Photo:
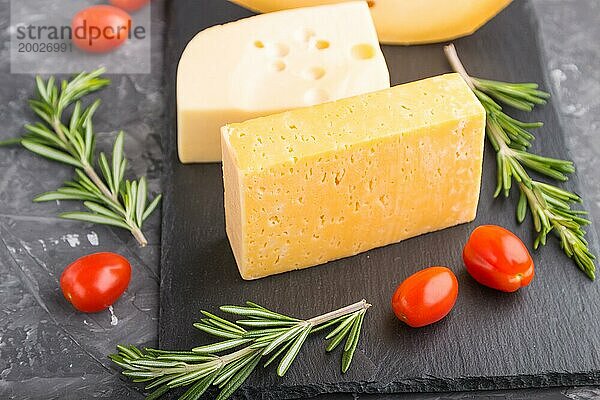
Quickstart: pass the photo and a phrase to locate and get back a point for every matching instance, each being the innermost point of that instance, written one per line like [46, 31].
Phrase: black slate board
[545, 335]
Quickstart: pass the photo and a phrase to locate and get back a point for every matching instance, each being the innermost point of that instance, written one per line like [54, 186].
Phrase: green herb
[110, 199]
[261, 333]
[550, 206]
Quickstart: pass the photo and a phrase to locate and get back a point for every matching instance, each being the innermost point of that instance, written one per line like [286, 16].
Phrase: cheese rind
[409, 21]
[270, 63]
[320, 183]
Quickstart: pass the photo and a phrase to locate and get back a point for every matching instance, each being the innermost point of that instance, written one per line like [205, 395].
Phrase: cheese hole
[321, 44]
[363, 51]
[259, 44]
[278, 66]
[371, 3]
[313, 73]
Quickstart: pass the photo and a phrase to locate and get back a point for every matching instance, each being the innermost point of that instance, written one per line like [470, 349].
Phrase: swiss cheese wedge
[324, 182]
[409, 21]
[270, 63]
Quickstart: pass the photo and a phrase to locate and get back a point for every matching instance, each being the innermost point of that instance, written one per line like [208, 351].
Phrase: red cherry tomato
[129, 5]
[497, 258]
[101, 28]
[426, 296]
[94, 282]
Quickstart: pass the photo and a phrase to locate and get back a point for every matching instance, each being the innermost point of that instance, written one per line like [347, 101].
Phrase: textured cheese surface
[270, 63]
[409, 21]
[315, 184]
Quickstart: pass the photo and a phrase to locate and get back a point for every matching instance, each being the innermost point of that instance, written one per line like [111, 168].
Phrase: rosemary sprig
[260, 333]
[550, 206]
[110, 199]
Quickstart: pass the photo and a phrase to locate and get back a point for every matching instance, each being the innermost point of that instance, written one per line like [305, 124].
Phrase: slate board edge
[428, 385]
[549, 379]
[431, 385]
[170, 73]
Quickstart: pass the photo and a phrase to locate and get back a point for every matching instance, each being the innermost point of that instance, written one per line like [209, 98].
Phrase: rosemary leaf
[106, 172]
[261, 335]
[221, 346]
[185, 357]
[50, 153]
[151, 207]
[119, 361]
[158, 393]
[339, 337]
[94, 218]
[223, 323]
[290, 334]
[231, 369]
[216, 331]
[347, 321]
[127, 351]
[153, 364]
[293, 351]
[190, 377]
[256, 312]
[75, 195]
[239, 379]
[198, 389]
[263, 323]
[42, 132]
[353, 331]
[278, 353]
[162, 381]
[10, 142]
[97, 208]
[352, 343]
[140, 206]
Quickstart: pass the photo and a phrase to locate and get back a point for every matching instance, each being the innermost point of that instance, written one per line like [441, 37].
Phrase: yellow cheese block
[271, 63]
[324, 182]
[409, 21]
